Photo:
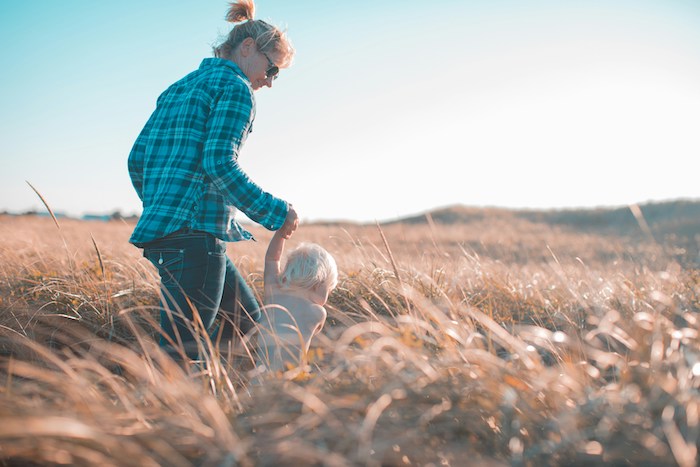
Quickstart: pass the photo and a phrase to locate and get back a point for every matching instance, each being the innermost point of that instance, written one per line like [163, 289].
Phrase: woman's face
[260, 67]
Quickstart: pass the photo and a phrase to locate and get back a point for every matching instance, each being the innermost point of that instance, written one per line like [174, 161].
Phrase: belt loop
[211, 241]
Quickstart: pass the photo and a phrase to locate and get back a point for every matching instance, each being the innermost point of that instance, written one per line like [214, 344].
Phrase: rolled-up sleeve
[228, 124]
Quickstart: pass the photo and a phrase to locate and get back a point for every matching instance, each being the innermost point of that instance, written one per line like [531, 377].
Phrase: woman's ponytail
[240, 11]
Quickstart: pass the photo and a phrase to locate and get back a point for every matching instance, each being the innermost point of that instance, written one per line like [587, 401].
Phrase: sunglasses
[273, 70]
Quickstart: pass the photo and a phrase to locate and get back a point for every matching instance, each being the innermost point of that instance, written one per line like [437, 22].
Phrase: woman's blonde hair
[267, 37]
[309, 266]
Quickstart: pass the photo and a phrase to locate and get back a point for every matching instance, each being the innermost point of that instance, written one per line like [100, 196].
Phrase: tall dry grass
[499, 342]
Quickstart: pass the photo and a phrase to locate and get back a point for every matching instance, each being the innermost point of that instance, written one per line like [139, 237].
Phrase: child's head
[312, 268]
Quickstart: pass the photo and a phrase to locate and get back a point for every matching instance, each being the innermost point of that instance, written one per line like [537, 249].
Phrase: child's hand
[290, 223]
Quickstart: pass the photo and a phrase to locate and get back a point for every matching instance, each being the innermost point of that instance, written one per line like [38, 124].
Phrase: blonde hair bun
[242, 10]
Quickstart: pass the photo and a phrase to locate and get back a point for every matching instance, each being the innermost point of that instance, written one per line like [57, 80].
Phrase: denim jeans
[197, 276]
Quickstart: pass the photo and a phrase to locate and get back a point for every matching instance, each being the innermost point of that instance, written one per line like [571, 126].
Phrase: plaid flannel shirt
[184, 163]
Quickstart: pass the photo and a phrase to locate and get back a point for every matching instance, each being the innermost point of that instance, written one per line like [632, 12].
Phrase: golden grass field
[498, 342]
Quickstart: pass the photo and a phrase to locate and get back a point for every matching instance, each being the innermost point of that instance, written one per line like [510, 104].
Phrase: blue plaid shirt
[184, 164]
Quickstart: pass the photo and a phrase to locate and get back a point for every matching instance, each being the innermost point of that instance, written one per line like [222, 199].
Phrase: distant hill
[670, 220]
[664, 219]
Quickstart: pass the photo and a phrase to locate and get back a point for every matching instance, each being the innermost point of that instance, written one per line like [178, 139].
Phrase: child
[294, 299]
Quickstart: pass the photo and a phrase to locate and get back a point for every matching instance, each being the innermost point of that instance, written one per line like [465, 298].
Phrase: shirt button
[195, 208]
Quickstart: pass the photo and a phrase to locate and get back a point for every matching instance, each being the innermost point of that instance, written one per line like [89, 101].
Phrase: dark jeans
[197, 277]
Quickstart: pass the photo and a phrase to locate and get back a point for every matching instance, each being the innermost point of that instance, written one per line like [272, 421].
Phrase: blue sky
[391, 107]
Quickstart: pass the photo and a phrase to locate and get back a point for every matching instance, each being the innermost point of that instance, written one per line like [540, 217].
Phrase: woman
[184, 167]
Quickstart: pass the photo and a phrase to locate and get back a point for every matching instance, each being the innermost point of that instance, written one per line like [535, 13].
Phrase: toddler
[294, 299]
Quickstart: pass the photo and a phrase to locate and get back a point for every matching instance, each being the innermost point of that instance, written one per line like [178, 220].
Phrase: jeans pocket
[216, 268]
[169, 262]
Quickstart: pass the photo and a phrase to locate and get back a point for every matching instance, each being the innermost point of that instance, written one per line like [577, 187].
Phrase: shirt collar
[218, 62]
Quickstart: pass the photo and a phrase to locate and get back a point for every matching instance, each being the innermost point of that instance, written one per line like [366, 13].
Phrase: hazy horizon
[98, 215]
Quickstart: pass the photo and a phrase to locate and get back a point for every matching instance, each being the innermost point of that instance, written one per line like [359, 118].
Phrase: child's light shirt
[289, 322]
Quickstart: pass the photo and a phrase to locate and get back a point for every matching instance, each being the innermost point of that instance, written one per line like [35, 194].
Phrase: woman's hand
[290, 223]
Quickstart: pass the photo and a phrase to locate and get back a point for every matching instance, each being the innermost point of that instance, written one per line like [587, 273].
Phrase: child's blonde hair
[309, 266]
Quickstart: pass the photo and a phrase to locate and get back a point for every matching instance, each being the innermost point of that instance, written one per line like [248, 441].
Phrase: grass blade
[45, 204]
